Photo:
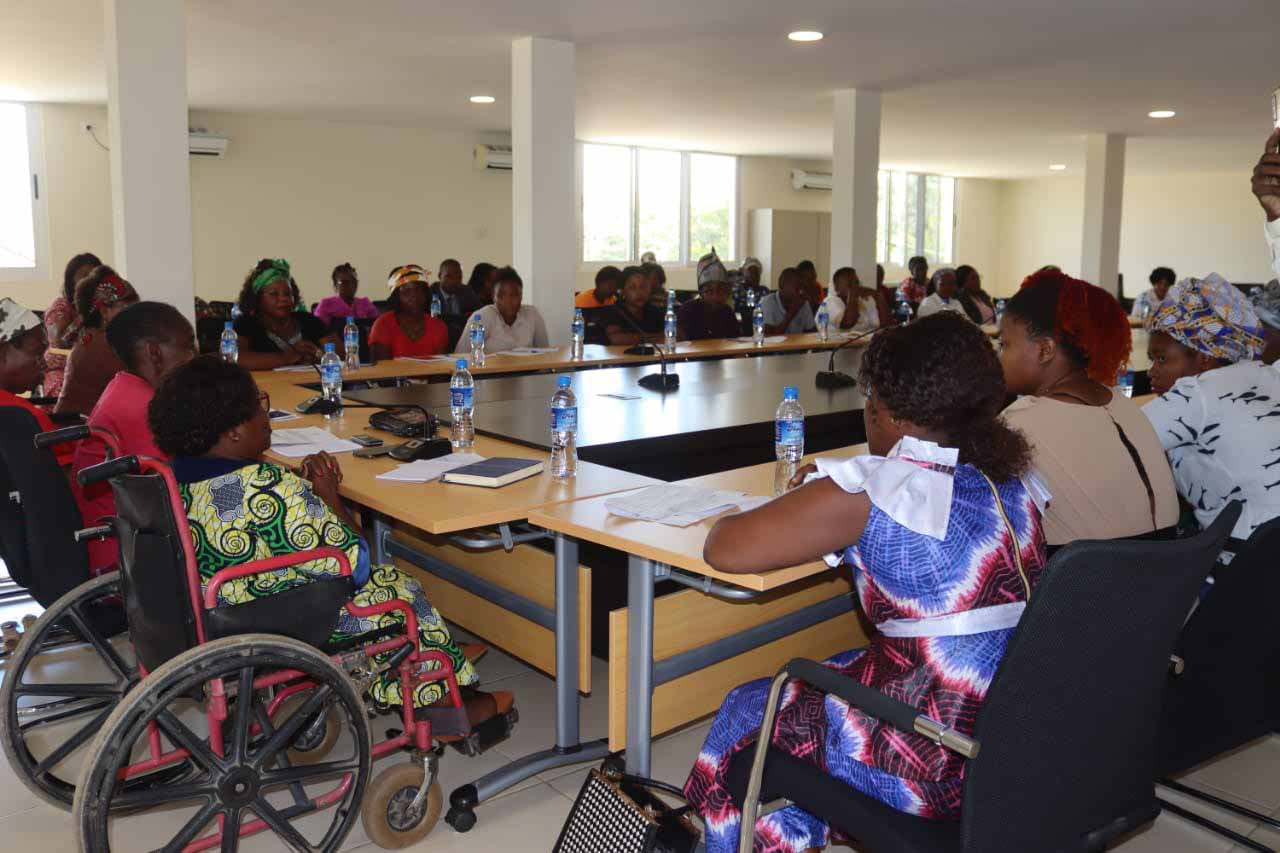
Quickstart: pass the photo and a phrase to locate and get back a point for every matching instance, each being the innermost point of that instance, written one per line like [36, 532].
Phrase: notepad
[308, 440]
[679, 506]
[494, 473]
[427, 470]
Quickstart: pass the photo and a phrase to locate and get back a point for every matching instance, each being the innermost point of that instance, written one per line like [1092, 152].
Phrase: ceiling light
[482, 99]
[1161, 114]
[805, 35]
[1057, 167]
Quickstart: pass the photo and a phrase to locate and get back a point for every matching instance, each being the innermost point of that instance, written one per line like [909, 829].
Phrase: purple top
[332, 309]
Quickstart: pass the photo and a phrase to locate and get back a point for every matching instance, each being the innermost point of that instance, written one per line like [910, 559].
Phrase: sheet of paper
[427, 470]
[430, 358]
[771, 339]
[528, 351]
[678, 506]
[307, 440]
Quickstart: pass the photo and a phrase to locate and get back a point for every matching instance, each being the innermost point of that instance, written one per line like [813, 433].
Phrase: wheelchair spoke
[284, 735]
[104, 648]
[264, 723]
[72, 743]
[231, 831]
[280, 825]
[163, 795]
[308, 772]
[192, 828]
[181, 735]
[243, 715]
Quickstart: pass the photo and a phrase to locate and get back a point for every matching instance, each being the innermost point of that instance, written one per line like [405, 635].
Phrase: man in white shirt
[786, 311]
[849, 306]
[1266, 187]
[943, 297]
[507, 323]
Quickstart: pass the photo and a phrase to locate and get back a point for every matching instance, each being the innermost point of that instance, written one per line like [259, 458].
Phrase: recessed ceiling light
[805, 35]
[1057, 167]
[482, 99]
[1161, 114]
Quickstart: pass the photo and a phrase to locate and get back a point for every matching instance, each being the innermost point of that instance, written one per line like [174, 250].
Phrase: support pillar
[1103, 198]
[854, 182]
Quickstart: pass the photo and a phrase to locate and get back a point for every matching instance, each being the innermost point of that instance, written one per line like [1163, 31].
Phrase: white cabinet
[784, 238]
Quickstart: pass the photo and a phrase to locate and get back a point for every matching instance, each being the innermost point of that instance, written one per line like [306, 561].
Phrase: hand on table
[323, 472]
[803, 471]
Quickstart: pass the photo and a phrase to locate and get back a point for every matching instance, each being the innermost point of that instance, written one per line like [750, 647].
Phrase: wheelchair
[247, 719]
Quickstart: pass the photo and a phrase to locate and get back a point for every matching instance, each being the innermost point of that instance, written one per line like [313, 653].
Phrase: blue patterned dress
[926, 591]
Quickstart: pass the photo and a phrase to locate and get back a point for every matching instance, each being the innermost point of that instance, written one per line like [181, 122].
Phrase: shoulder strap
[1013, 535]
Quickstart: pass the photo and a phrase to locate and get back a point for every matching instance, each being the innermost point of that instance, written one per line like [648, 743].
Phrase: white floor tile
[43, 828]
[1249, 773]
[1172, 835]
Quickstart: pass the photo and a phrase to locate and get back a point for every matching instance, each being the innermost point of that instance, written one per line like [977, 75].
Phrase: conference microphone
[642, 348]
[831, 378]
[662, 381]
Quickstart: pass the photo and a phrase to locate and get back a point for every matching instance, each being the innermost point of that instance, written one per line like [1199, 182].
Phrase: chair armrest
[271, 564]
[61, 436]
[101, 531]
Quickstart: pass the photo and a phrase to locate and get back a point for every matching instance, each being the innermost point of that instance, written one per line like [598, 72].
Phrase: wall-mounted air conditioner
[802, 180]
[201, 143]
[495, 157]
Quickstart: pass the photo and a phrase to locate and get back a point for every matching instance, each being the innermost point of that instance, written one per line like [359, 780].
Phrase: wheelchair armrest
[61, 436]
[898, 714]
[101, 531]
[270, 564]
[106, 470]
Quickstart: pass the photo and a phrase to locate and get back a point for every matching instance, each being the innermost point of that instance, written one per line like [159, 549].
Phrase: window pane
[713, 181]
[882, 216]
[606, 203]
[658, 203]
[913, 216]
[17, 225]
[898, 218]
[947, 221]
[931, 199]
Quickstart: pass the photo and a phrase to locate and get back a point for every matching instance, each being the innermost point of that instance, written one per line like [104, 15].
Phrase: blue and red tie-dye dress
[938, 595]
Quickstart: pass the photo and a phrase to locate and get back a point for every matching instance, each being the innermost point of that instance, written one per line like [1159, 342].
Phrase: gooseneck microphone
[831, 378]
[662, 381]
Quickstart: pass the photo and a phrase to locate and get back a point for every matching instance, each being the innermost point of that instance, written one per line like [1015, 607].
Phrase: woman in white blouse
[942, 296]
[507, 323]
[850, 307]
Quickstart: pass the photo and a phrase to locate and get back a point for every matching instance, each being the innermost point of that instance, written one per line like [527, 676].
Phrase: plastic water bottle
[229, 343]
[435, 305]
[462, 390]
[351, 343]
[236, 313]
[999, 311]
[757, 326]
[788, 438]
[1125, 383]
[564, 431]
[823, 321]
[331, 379]
[477, 343]
[579, 331]
[751, 297]
[903, 310]
[669, 327]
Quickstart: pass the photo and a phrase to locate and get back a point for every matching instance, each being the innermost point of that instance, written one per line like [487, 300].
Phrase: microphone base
[834, 379]
[640, 349]
[660, 381]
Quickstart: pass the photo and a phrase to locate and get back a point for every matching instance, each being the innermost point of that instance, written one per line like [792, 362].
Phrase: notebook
[493, 473]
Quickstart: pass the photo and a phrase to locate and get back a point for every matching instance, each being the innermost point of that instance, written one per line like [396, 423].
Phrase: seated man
[507, 323]
[608, 283]
[23, 342]
[786, 311]
[457, 301]
[709, 316]
[1218, 411]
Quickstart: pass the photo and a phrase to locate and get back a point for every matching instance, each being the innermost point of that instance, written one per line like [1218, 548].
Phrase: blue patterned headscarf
[1266, 301]
[1210, 316]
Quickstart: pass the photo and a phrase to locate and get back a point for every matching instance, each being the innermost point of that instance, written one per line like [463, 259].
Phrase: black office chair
[1068, 732]
[1224, 691]
[594, 321]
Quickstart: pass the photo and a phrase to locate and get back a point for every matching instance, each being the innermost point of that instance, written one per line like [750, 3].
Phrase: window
[21, 205]
[676, 204]
[916, 217]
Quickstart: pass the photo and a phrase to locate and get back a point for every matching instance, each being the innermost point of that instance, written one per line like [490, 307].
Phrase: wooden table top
[679, 547]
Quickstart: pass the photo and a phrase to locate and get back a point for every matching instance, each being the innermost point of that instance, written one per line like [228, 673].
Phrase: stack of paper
[308, 440]
[426, 470]
[678, 506]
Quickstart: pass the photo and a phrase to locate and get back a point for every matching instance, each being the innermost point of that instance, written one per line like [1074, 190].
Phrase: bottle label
[564, 419]
[460, 398]
[789, 433]
[331, 374]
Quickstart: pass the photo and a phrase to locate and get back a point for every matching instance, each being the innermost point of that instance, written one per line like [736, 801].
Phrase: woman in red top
[407, 331]
[22, 348]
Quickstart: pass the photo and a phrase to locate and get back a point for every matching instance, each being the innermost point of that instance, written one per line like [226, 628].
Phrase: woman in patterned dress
[940, 524]
[62, 321]
[209, 416]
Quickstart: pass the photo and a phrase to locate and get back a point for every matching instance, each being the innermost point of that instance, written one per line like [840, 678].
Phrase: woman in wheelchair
[941, 525]
[210, 417]
[23, 343]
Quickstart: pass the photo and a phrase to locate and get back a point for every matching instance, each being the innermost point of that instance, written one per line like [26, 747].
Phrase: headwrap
[15, 320]
[109, 291]
[710, 269]
[1266, 303]
[278, 270]
[407, 274]
[648, 258]
[1210, 316]
[753, 262]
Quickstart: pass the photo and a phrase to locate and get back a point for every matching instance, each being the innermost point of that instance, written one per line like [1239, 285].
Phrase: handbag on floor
[617, 813]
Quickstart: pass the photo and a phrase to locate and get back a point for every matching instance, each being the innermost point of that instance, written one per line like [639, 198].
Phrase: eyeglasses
[265, 400]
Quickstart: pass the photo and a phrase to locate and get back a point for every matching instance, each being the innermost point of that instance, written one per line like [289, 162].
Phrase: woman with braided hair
[92, 364]
[1064, 342]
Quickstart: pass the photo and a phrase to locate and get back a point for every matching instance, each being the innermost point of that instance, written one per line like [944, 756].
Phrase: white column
[146, 47]
[1103, 197]
[544, 224]
[855, 167]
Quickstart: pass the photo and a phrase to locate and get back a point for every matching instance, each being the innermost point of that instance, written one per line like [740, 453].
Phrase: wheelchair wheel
[248, 786]
[62, 682]
[318, 736]
[386, 813]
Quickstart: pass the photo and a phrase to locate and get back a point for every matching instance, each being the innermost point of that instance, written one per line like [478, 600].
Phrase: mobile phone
[308, 405]
[366, 440]
[372, 452]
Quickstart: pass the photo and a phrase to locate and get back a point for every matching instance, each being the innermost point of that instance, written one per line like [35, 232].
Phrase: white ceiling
[994, 88]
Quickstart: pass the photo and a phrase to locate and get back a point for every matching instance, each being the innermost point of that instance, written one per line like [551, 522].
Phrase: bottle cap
[351, 319]
[328, 347]
[462, 364]
[227, 325]
[564, 382]
[791, 392]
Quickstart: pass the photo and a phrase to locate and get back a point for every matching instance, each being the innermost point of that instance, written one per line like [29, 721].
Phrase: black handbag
[617, 813]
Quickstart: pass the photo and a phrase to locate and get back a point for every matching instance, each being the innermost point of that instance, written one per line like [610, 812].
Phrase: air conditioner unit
[204, 144]
[802, 180]
[495, 157]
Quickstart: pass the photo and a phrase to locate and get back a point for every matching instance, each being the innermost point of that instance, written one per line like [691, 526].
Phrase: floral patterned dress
[59, 313]
[239, 512]
[938, 571]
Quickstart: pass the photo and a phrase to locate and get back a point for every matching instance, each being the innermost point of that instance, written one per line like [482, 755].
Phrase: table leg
[640, 579]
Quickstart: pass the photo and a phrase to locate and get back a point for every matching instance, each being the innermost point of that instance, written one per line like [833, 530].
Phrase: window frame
[917, 239]
[39, 199]
[684, 261]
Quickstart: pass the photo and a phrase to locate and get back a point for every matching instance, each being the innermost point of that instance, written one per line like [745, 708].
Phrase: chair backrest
[40, 516]
[1070, 724]
[153, 568]
[1227, 694]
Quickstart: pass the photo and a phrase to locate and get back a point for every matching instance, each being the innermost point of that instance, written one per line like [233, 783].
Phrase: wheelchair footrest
[488, 734]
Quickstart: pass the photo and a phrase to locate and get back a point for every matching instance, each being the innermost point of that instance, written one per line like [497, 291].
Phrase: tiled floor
[529, 816]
